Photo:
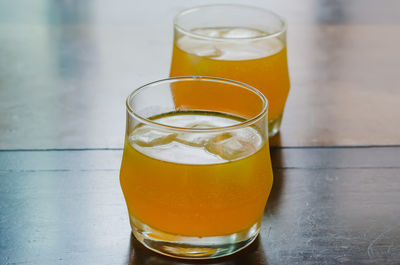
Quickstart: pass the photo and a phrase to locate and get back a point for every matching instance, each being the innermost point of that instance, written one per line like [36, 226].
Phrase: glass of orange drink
[242, 43]
[196, 174]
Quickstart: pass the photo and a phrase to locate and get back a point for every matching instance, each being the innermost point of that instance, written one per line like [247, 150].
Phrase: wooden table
[67, 66]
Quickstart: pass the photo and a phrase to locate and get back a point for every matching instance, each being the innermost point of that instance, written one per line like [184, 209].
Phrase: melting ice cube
[147, 136]
[192, 139]
[209, 32]
[199, 47]
[241, 33]
[195, 139]
[230, 146]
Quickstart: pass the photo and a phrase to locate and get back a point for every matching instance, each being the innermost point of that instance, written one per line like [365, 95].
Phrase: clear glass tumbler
[242, 43]
[196, 174]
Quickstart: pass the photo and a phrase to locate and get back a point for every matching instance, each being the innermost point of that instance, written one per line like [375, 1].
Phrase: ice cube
[198, 47]
[195, 139]
[207, 51]
[192, 139]
[209, 32]
[240, 33]
[230, 147]
[147, 136]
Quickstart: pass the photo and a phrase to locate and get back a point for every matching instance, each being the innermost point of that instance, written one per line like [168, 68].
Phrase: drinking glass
[196, 175]
[237, 42]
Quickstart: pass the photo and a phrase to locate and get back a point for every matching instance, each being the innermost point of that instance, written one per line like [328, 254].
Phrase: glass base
[188, 247]
[274, 125]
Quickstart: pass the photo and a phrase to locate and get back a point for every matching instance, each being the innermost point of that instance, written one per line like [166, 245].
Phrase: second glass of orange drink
[242, 43]
[196, 175]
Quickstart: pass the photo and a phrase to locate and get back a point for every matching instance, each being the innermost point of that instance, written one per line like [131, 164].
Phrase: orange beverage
[241, 43]
[196, 184]
[196, 175]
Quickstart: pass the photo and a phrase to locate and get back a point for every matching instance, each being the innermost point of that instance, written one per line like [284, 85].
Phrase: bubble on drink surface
[147, 136]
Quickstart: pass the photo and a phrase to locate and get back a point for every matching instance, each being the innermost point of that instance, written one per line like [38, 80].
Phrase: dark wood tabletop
[66, 68]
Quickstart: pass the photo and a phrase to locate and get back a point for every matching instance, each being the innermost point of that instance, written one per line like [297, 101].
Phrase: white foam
[196, 148]
[237, 44]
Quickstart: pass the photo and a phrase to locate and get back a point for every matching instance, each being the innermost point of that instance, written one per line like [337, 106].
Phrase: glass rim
[200, 36]
[243, 124]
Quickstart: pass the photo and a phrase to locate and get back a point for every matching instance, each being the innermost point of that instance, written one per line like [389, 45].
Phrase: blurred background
[67, 66]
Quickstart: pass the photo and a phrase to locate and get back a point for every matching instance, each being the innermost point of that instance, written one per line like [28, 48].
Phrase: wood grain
[327, 206]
